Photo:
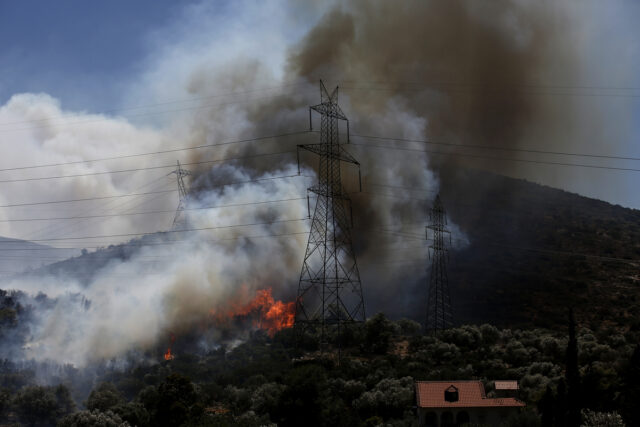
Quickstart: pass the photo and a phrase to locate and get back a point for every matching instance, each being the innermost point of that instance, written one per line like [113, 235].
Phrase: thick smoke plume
[448, 71]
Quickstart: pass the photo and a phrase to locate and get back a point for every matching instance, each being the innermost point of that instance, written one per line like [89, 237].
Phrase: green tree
[5, 402]
[631, 389]
[572, 375]
[546, 408]
[176, 396]
[38, 405]
[133, 412]
[104, 397]
[378, 333]
[300, 402]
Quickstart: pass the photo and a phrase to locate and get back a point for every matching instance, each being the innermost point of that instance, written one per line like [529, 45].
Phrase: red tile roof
[430, 394]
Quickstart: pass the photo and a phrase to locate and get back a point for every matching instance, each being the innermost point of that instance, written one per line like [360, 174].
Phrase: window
[451, 394]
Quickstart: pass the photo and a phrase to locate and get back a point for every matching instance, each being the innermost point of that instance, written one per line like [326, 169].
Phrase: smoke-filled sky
[83, 81]
[117, 55]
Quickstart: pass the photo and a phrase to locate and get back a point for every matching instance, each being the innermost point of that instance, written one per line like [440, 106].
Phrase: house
[456, 403]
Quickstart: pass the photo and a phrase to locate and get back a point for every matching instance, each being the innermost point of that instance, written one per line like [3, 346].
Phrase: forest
[363, 376]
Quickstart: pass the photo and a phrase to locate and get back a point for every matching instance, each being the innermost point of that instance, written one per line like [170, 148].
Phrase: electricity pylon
[329, 291]
[439, 311]
[179, 220]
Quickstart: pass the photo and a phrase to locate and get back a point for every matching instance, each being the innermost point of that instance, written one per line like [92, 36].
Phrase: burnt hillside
[520, 268]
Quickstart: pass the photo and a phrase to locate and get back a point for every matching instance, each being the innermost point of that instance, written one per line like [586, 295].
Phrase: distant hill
[519, 268]
[17, 256]
[85, 266]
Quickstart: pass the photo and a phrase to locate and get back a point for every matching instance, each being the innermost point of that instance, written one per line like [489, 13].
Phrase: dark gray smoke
[456, 72]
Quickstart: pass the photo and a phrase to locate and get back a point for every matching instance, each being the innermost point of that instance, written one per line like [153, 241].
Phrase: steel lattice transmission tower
[179, 219]
[329, 291]
[439, 311]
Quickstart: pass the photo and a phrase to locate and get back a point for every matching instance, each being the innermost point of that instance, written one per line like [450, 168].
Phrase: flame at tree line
[263, 311]
[167, 354]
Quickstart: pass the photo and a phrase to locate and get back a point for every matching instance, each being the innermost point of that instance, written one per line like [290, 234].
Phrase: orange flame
[167, 354]
[266, 313]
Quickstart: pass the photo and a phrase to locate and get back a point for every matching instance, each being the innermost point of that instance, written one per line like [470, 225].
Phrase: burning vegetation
[262, 312]
[168, 355]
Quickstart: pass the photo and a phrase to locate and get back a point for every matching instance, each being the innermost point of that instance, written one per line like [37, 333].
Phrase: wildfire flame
[265, 312]
[167, 354]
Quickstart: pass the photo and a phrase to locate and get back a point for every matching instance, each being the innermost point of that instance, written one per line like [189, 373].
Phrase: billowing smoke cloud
[42, 134]
[512, 74]
[453, 71]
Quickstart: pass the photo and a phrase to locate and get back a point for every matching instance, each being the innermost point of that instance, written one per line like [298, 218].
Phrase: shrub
[93, 419]
[601, 419]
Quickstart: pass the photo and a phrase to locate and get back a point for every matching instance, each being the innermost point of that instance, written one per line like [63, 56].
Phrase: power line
[556, 252]
[303, 132]
[232, 205]
[410, 236]
[530, 89]
[160, 232]
[141, 194]
[497, 148]
[151, 212]
[173, 150]
[478, 156]
[86, 199]
[147, 168]
[168, 242]
[150, 186]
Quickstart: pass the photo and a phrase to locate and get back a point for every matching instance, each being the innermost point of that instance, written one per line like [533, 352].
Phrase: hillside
[519, 268]
[17, 256]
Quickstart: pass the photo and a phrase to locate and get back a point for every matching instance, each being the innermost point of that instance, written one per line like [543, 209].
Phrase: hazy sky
[98, 56]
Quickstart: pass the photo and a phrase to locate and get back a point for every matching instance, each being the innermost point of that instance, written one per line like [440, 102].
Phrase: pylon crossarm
[330, 110]
[321, 191]
[321, 150]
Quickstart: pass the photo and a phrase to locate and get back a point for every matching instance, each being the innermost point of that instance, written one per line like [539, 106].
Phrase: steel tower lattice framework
[179, 220]
[329, 291]
[439, 310]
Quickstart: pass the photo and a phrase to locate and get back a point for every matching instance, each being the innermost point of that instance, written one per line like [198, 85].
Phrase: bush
[93, 419]
[104, 397]
[265, 398]
[389, 398]
[526, 418]
[601, 419]
[378, 333]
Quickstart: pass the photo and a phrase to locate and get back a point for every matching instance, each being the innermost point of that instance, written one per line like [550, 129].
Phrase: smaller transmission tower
[439, 311]
[179, 219]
